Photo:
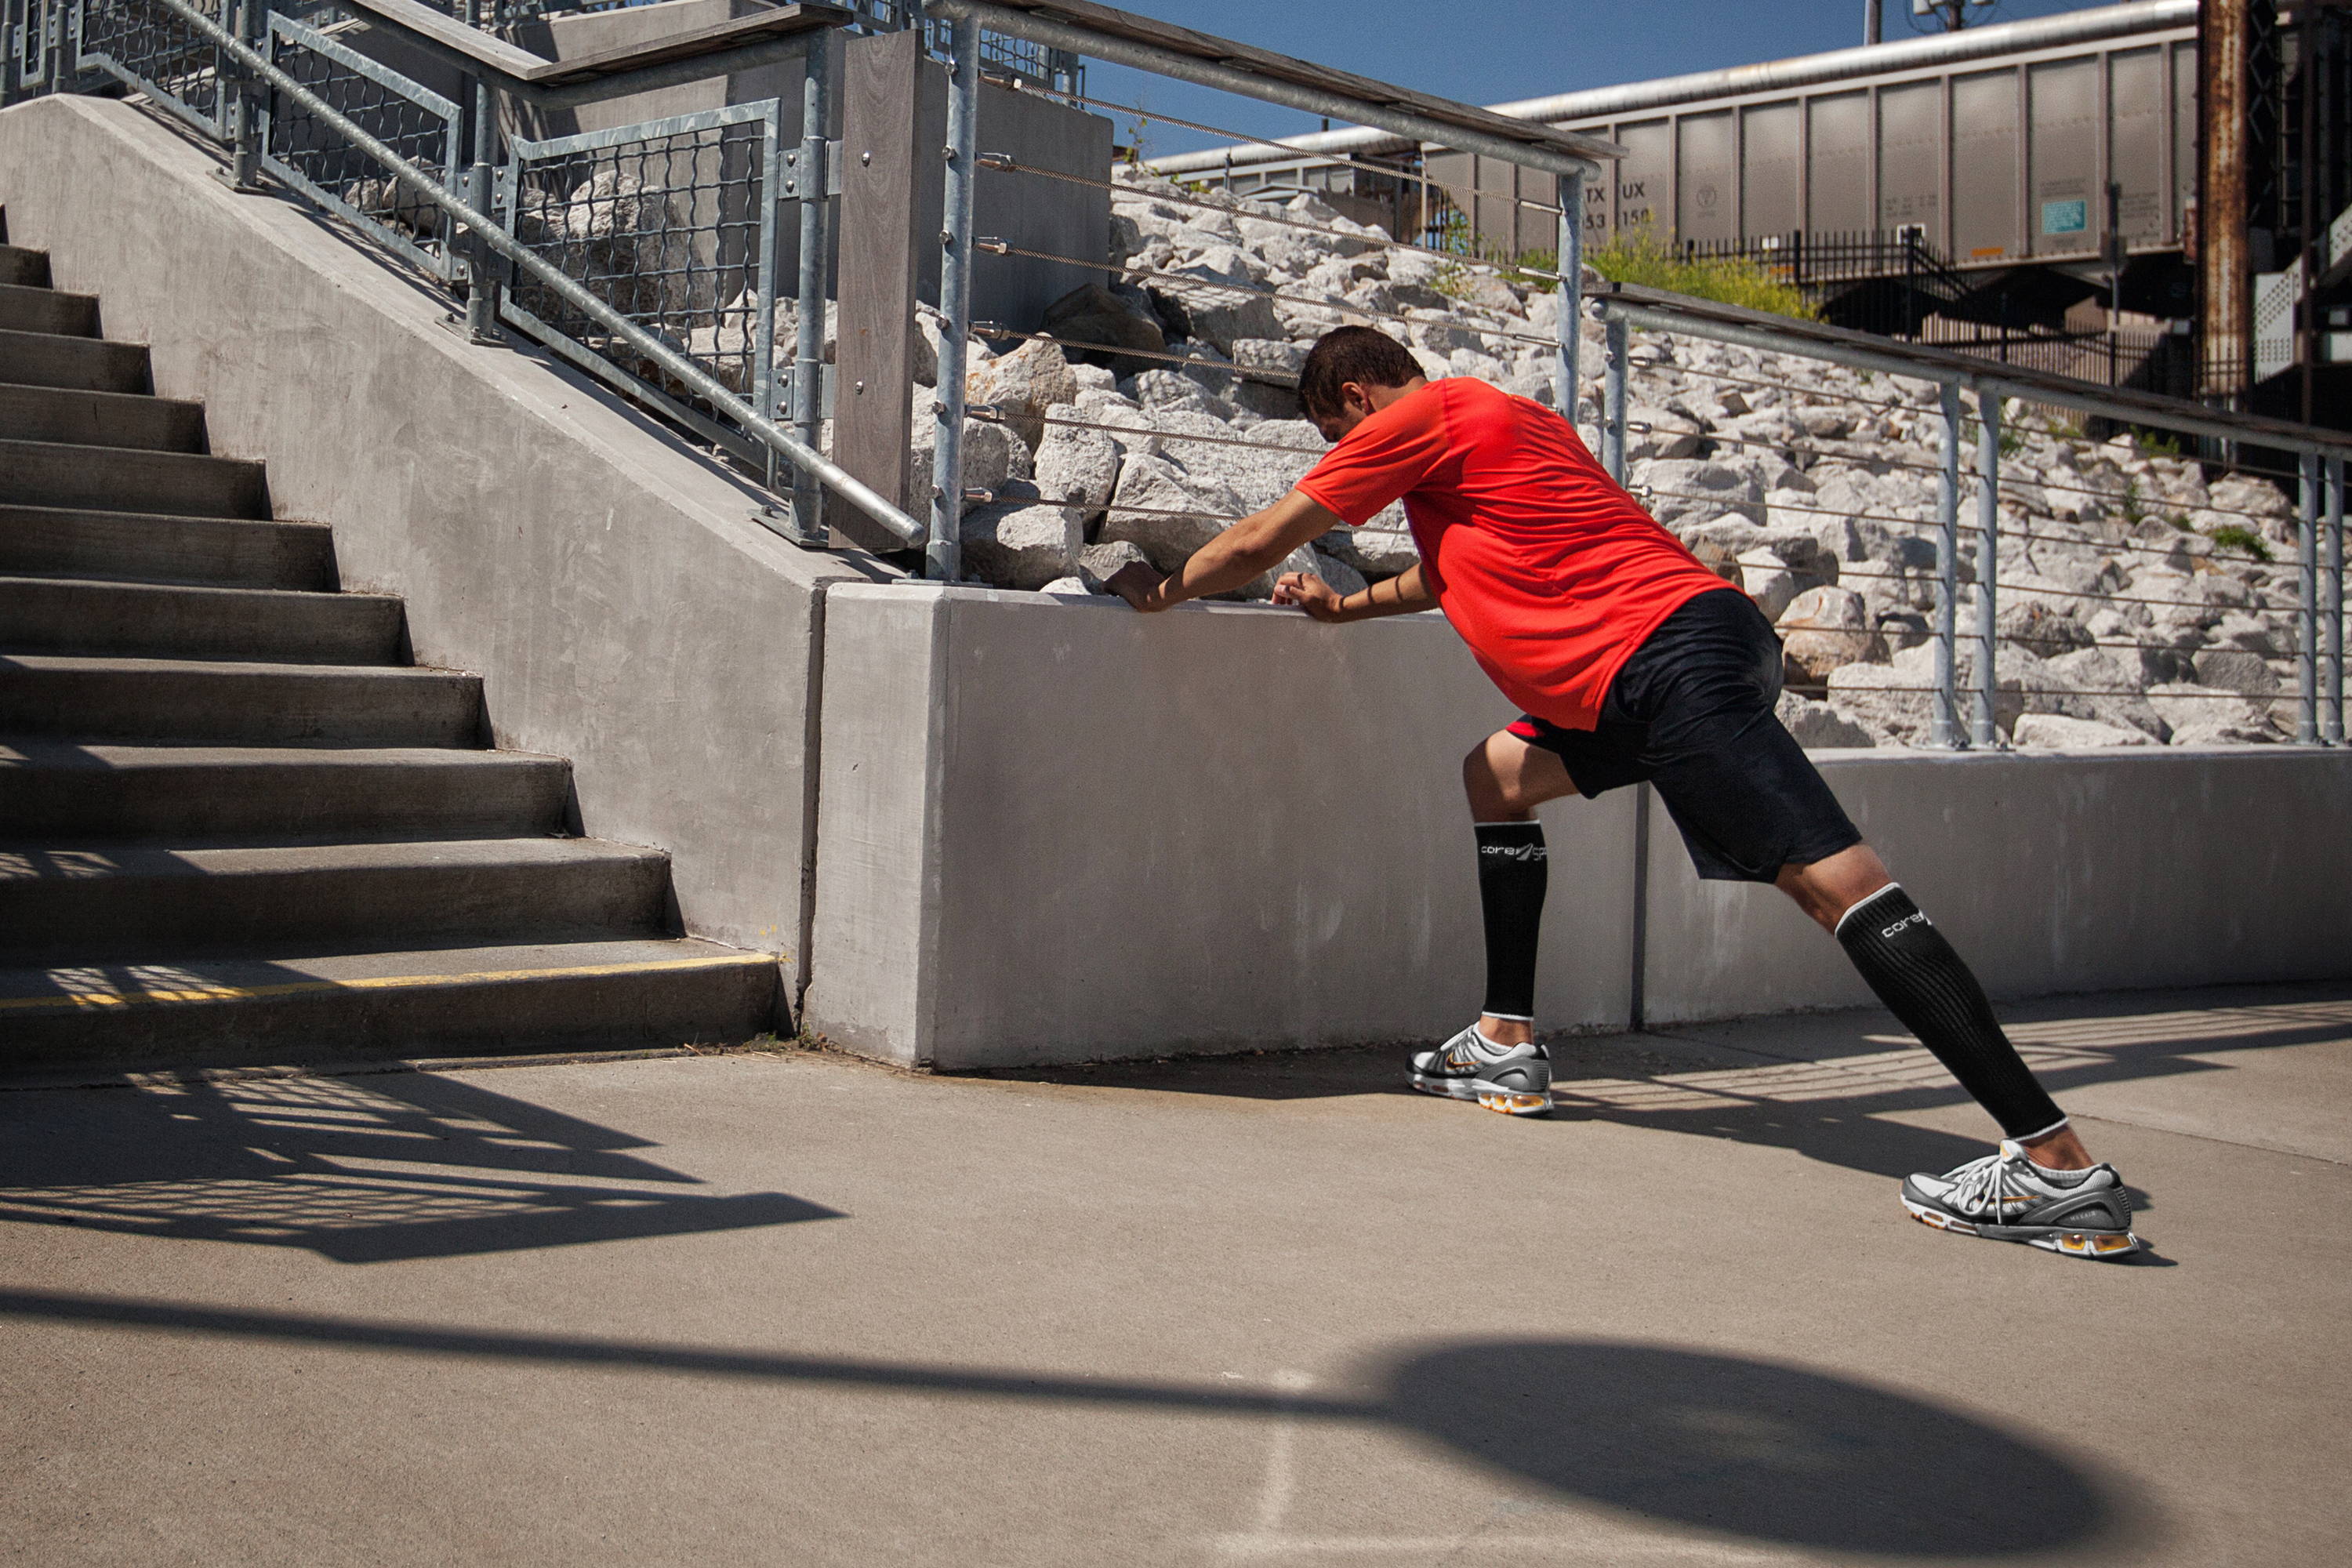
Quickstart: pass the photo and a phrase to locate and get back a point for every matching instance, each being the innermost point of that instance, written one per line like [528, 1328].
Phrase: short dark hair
[1361, 354]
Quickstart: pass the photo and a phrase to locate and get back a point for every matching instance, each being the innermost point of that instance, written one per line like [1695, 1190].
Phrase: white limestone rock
[2055, 732]
[1166, 510]
[993, 455]
[1076, 466]
[1098, 564]
[1023, 383]
[1021, 542]
[1819, 727]
[1698, 489]
[2219, 717]
[1826, 627]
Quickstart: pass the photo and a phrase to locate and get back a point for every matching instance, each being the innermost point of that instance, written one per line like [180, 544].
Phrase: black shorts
[1692, 711]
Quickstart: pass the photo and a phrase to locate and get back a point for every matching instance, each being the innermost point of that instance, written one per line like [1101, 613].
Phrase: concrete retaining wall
[2051, 872]
[1054, 830]
[1057, 830]
[610, 585]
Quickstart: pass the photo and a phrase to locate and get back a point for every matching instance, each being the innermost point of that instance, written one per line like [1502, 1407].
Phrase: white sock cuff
[1506, 1017]
[2022, 1139]
[1839, 930]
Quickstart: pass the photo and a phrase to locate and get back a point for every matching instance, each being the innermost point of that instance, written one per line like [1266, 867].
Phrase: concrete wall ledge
[1054, 830]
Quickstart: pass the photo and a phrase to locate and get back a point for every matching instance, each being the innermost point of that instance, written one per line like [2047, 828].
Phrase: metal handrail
[492, 235]
[1164, 48]
[1658, 310]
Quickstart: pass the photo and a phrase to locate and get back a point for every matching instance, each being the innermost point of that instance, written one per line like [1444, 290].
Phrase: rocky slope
[2135, 607]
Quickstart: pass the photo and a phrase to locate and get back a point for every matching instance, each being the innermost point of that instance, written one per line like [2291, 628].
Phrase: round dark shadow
[1749, 1448]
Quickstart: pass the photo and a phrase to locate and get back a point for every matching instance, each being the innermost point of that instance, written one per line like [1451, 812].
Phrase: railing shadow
[358, 1170]
[1727, 1446]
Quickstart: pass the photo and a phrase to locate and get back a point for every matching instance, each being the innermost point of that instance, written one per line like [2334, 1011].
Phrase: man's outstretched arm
[1258, 542]
[1399, 596]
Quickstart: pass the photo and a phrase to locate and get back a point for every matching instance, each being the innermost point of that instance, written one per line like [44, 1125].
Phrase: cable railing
[2187, 638]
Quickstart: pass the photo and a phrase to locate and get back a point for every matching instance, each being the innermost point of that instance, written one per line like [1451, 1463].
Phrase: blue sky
[1490, 51]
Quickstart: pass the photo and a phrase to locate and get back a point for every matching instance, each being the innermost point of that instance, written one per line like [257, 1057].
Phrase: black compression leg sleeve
[1512, 874]
[1923, 983]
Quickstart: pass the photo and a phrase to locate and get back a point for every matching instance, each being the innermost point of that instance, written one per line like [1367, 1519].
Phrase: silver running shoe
[2003, 1197]
[1513, 1079]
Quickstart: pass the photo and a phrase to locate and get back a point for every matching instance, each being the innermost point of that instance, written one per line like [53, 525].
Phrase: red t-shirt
[1550, 571]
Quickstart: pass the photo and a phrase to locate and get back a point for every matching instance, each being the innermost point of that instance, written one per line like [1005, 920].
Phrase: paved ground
[795, 1310]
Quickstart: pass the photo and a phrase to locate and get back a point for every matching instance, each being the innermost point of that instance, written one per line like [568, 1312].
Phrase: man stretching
[1631, 661]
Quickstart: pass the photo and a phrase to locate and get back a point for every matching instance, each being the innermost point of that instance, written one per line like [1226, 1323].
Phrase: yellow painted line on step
[69, 1002]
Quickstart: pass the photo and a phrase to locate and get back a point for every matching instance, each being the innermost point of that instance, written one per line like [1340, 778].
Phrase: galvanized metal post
[240, 99]
[763, 291]
[1612, 413]
[1983, 730]
[943, 559]
[1944, 723]
[2306, 651]
[482, 291]
[1566, 383]
[482, 270]
[2331, 707]
[808, 347]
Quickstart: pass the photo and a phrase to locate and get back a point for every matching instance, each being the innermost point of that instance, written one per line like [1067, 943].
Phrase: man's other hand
[1309, 593]
[1134, 582]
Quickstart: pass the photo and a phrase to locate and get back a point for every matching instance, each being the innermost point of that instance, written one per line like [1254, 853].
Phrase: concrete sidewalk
[800, 1310]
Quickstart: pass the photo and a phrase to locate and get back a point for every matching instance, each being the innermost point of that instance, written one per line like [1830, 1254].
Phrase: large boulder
[1166, 510]
[1818, 727]
[2208, 715]
[1215, 300]
[993, 455]
[1075, 465]
[1121, 323]
[1260, 468]
[1020, 542]
[1823, 629]
[1698, 489]
[2097, 684]
[2236, 669]
[1381, 548]
[1098, 564]
[2056, 731]
[631, 243]
[1023, 384]
[1897, 699]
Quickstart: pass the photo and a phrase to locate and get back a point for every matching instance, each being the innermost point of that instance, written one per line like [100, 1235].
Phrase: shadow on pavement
[1819, 1084]
[1753, 1448]
[1762, 1450]
[357, 1169]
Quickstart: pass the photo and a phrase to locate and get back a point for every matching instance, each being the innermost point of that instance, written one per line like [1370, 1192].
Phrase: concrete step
[81, 698]
[51, 359]
[116, 479]
[25, 308]
[63, 904]
[50, 614]
[155, 547]
[23, 267]
[274, 793]
[336, 1010]
[100, 418]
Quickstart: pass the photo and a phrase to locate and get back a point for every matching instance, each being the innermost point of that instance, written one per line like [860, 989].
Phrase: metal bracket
[788, 187]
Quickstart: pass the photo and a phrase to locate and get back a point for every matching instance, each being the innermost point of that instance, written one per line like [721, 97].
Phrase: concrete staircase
[237, 823]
